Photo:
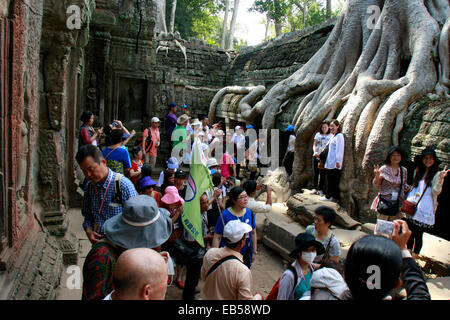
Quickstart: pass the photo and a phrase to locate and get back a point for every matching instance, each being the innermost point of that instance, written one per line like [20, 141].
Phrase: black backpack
[148, 141]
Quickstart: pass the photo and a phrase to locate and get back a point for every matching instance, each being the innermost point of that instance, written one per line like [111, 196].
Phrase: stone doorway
[131, 102]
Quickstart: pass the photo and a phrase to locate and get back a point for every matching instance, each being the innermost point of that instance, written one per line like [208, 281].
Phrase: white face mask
[308, 257]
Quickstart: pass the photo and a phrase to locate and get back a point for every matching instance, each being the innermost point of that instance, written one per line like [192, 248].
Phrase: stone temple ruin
[119, 65]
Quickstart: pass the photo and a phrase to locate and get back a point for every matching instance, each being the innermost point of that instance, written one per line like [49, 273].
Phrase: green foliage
[275, 9]
[290, 12]
[200, 19]
[196, 18]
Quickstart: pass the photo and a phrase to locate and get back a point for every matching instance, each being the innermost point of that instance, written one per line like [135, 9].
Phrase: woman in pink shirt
[151, 150]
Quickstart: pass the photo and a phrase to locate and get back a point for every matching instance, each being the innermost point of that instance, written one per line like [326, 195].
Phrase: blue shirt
[117, 159]
[92, 201]
[247, 218]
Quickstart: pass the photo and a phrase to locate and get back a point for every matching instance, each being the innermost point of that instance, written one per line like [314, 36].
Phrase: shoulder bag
[388, 207]
[409, 207]
[323, 155]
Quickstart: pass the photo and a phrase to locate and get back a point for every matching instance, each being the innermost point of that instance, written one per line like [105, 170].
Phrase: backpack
[117, 191]
[273, 294]
[148, 141]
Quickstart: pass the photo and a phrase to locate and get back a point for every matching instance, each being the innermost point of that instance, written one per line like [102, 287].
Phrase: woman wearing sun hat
[427, 185]
[174, 204]
[306, 249]
[388, 180]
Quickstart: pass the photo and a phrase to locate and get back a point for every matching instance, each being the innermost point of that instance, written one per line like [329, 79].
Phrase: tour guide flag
[199, 181]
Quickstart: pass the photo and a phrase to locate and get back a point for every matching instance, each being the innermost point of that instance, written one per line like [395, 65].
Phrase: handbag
[326, 261]
[323, 156]
[387, 207]
[409, 207]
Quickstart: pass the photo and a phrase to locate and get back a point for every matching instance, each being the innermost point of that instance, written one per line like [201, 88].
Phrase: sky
[250, 24]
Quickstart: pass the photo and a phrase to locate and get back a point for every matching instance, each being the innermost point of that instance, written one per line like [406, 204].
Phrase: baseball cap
[180, 174]
[172, 163]
[290, 128]
[237, 128]
[235, 230]
[155, 119]
[250, 126]
[185, 106]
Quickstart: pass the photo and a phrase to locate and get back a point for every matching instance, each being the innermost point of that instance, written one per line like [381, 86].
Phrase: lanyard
[104, 196]
[304, 279]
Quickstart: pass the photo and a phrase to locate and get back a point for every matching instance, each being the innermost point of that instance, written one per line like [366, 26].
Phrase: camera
[384, 228]
[115, 124]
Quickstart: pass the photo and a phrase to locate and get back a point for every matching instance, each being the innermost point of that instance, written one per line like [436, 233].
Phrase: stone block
[439, 288]
[280, 232]
[302, 206]
[368, 228]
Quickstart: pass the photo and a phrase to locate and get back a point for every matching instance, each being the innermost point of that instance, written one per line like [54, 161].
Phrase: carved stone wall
[21, 126]
[275, 60]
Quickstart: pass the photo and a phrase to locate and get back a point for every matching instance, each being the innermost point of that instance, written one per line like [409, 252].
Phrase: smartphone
[384, 228]
[115, 124]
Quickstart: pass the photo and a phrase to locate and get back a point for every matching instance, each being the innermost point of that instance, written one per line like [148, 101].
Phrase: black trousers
[416, 240]
[288, 162]
[333, 180]
[318, 173]
[193, 268]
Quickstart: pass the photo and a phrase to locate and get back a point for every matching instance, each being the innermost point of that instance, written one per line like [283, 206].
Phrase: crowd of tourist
[140, 244]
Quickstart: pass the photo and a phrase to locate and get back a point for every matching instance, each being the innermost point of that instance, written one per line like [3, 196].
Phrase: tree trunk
[225, 24]
[267, 27]
[163, 15]
[278, 28]
[366, 91]
[233, 24]
[172, 16]
[328, 12]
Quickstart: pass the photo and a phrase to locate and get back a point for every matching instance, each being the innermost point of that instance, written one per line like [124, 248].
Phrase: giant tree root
[366, 77]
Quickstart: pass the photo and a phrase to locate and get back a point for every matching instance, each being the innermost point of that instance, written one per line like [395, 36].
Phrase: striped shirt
[92, 201]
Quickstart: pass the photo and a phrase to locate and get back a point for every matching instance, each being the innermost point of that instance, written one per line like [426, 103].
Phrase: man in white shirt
[205, 121]
[239, 140]
[140, 274]
[251, 187]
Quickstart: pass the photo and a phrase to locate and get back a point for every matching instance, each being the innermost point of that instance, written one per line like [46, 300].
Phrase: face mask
[308, 257]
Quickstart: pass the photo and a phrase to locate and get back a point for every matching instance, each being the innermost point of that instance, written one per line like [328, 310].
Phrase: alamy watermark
[374, 280]
[73, 281]
[74, 17]
[372, 21]
[254, 152]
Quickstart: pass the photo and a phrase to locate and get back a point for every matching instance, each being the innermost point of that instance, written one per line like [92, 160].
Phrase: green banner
[199, 181]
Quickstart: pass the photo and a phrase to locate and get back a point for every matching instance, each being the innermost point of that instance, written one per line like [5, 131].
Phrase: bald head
[140, 274]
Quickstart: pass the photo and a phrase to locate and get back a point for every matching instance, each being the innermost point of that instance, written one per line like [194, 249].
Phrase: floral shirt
[390, 184]
[98, 270]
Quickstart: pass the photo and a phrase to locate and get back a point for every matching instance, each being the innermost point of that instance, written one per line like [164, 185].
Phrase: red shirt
[135, 167]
